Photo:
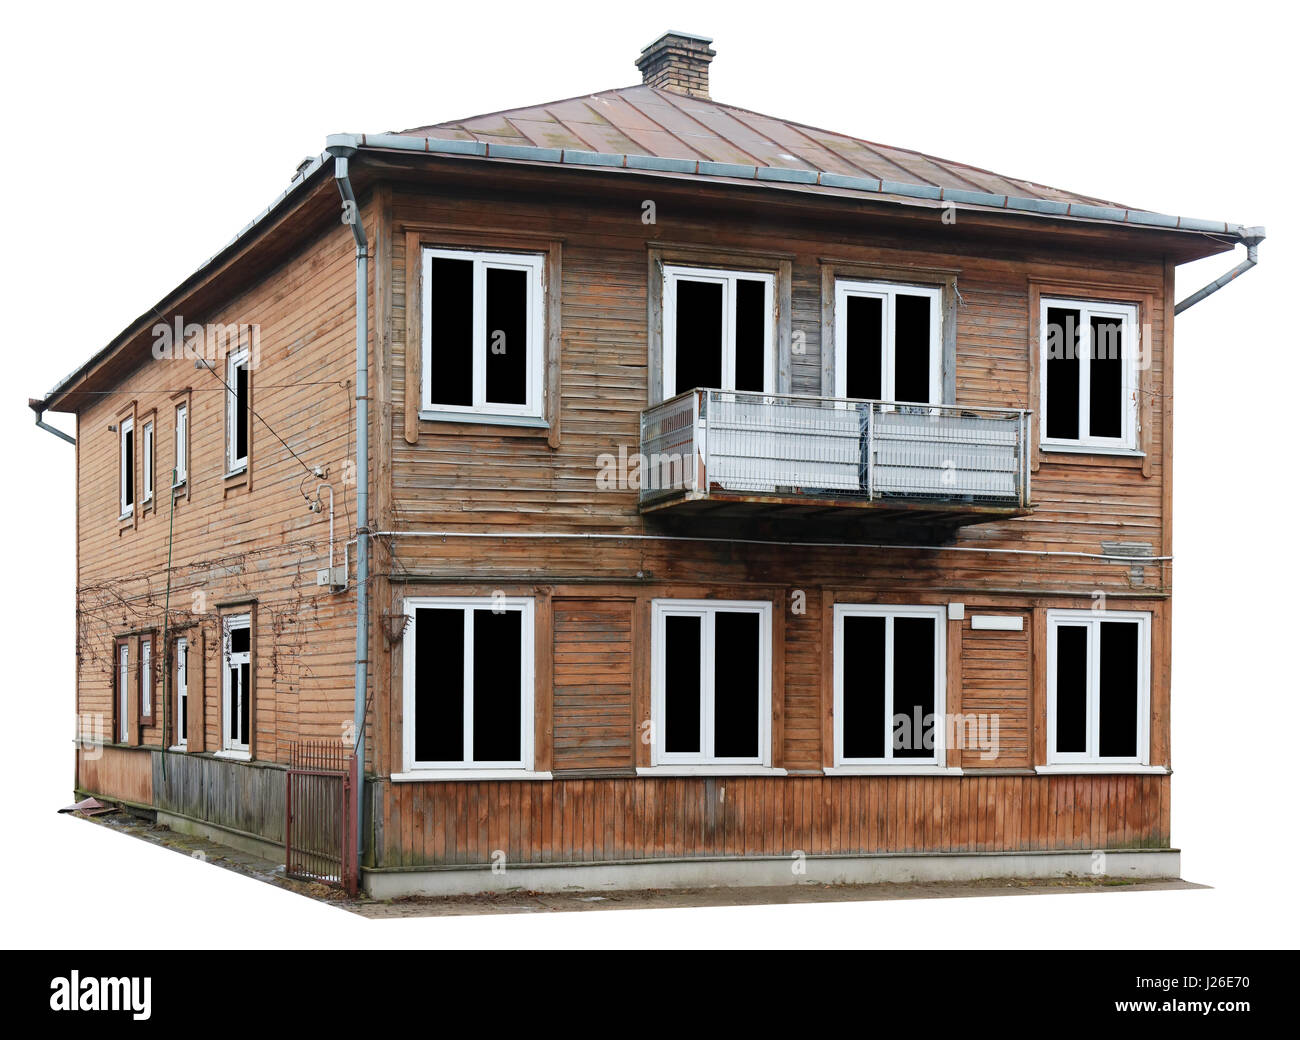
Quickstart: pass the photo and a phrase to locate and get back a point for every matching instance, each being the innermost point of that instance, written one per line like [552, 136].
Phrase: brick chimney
[679, 62]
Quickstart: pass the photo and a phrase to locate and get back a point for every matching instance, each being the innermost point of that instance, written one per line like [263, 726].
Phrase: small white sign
[956, 611]
[998, 622]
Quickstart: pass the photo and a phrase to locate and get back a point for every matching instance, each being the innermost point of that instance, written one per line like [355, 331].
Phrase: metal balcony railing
[703, 442]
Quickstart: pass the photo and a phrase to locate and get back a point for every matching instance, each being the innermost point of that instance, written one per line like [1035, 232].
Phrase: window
[182, 692]
[123, 690]
[236, 684]
[718, 330]
[126, 468]
[146, 680]
[237, 411]
[483, 335]
[146, 449]
[1098, 686]
[468, 684]
[1088, 359]
[711, 685]
[889, 685]
[888, 342]
[180, 470]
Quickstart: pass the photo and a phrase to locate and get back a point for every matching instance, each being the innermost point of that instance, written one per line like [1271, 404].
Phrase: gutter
[342, 149]
[1253, 237]
[39, 408]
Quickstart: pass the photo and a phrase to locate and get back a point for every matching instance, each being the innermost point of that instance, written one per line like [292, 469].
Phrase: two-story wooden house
[718, 499]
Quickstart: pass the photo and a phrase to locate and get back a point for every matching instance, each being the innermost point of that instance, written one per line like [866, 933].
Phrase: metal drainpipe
[341, 148]
[1253, 237]
[35, 406]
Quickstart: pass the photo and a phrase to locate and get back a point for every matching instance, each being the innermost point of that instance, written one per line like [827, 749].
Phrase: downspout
[341, 148]
[35, 406]
[1252, 238]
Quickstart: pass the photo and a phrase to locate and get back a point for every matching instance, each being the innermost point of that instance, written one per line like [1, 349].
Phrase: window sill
[892, 770]
[238, 471]
[709, 770]
[1118, 768]
[178, 747]
[233, 755]
[1090, 449]
[531, 422]
[418, 775]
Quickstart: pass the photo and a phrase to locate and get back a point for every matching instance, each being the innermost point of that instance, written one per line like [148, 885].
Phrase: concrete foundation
[768, 871]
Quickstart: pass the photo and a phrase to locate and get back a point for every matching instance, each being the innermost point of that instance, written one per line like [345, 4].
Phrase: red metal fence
[318, 807]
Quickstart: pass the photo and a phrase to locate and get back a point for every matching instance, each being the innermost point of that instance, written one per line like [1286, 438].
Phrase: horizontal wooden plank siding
[593, 684]
[995, 684]
[601, 820]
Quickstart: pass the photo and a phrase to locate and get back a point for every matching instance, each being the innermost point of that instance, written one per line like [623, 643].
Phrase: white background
[137, 139]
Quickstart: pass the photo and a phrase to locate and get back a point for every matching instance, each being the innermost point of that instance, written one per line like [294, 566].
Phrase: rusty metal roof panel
[659, 124]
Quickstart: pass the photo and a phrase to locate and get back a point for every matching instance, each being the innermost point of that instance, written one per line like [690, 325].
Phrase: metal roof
[646, 121]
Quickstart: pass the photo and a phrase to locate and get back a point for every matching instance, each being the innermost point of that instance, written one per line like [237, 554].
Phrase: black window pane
[439, 685]
[232, 721]
[681, 684]
[911, 348]
[1106, 379]
[451, 332]
[240, 639]
[913, 722]
[1061, 349]
[1117, 690]
[751, 323]
[736, 650]
[698, 326]
[130, 467]
[243, 703]
[1072, 688]
[862, 349]
[507, 336]
[241, 412]
[864, 687]
[498, 693]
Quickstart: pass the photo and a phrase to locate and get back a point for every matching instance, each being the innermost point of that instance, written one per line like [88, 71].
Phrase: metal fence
[786, 445]
[318, 813]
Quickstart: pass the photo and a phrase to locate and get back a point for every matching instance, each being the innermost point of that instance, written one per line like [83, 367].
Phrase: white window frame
[703, 761]
[237, 463]
[1093, 619]
[470, 770]
[180, 471]
[534, 265]
[146, 678]
[727, 278]
[937, 762]
[126, 426]
[123, 691]
[230, 747]
[1127, 443]
[182, 693]
[888, 293]
[146, 461]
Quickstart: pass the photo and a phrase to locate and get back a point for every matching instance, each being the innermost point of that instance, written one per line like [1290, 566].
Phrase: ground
[522, 902]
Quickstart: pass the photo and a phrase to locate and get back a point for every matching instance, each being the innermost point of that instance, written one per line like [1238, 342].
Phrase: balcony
[738, 454]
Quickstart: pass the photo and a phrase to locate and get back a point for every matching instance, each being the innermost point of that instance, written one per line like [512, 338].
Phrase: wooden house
[736, 502]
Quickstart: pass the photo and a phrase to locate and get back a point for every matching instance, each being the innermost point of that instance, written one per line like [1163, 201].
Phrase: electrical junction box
[334, 577]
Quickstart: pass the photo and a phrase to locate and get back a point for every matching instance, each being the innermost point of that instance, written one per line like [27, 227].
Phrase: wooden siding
[592, 702]
[118, 773]
[994, 670]
[245, 798]
[595, 820]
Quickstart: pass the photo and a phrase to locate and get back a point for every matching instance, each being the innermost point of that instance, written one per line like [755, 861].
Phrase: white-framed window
[1098, 687]
[483, 334]
[182, 692]
[123, 690]
[467, 686]
[237, 411]
[181, 444]
[888, 342]
[146, 462]
[711, 683]
[126, 467]
[1088, 362]
[146, 678]
[236, 683]
[718, 330]
[890, 681]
